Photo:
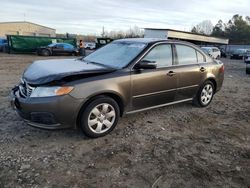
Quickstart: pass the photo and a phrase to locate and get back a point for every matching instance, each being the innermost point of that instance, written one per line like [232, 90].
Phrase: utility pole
[103, 32]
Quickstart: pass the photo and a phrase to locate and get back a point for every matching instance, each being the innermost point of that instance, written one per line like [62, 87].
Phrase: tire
[45, 52]
[247, 71]
[205, 94]
[99, 117]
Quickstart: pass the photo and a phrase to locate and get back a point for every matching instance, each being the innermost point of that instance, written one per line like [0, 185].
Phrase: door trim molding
[164, 91]
[153, 93]
[158, 106]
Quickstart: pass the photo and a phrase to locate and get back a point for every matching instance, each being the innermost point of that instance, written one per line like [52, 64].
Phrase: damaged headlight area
[51, 91]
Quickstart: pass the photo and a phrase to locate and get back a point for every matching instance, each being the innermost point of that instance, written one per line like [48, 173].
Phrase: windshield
[116, 54]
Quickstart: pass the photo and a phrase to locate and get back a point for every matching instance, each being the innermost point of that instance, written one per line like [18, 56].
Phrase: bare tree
[248, 20]
[133, 32]
[205, 27]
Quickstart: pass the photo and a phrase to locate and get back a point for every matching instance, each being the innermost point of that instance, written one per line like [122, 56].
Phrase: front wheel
[100, 117]
[45, 52]
[247, 70]
[205, 94]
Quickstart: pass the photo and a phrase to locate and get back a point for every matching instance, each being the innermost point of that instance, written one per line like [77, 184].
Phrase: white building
[182, 35]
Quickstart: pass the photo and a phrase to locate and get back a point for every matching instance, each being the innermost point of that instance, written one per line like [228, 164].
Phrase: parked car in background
[3, 44]
[239, 54]
[57, 49]
[214, 52]
[247, 61]
[223, 53]
[248, 67]
[89, 45]
[123, 77]
[100, 42]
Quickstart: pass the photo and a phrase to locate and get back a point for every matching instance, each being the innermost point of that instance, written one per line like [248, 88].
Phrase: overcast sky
[88, 17]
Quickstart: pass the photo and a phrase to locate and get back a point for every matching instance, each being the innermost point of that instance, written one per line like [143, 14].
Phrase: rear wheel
[205, 94]
[100, 117]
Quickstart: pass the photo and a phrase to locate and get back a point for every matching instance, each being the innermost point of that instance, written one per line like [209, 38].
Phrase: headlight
[50, 91]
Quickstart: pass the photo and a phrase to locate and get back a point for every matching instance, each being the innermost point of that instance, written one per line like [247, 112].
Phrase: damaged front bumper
[46, 112]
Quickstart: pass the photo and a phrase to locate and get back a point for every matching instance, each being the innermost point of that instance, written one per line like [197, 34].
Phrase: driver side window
[59, 46]
[68, 46]
[161, 54]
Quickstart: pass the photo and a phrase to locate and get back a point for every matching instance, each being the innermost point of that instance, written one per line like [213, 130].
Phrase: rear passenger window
[186, 55]
[200, 57]
[161, 54]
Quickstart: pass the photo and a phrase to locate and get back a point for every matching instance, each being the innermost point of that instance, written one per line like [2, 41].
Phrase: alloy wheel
[207, 94]
[101, 118]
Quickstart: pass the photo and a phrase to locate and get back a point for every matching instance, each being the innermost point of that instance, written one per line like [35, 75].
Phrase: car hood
[46, 71]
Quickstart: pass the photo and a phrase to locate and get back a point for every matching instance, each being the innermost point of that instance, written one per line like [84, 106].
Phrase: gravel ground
[175, 146]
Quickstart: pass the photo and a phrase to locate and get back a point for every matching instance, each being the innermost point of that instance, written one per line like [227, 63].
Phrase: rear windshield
[241, 51]
[2, 41]
[206, 50]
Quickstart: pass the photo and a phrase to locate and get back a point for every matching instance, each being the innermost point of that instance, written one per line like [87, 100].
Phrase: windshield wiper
[96, 63]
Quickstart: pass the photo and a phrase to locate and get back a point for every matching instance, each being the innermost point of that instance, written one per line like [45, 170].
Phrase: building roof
[171, 33]
[26, 22]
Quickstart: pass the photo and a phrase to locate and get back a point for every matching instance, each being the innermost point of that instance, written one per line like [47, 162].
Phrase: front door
[154, 87]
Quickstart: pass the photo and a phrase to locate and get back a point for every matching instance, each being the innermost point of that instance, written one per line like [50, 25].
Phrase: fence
[29, 44]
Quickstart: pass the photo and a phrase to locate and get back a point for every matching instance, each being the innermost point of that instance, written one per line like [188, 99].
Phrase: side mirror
[145, 64]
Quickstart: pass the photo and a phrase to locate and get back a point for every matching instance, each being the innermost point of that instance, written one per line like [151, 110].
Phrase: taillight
[222, 69]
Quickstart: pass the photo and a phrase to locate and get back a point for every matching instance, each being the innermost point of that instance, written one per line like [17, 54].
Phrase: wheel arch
[112, 95]
[213, 81]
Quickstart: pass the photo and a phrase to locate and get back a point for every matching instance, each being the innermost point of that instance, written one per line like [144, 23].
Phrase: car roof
[242, 49]
[151, 40]
[207, 47]
[141, 40]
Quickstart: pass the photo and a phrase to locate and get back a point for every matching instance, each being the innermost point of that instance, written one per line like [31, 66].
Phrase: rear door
[153, 87]
[58, 49]
[188, 72]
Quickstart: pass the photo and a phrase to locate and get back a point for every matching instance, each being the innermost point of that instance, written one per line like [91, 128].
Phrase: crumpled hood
[45, 71]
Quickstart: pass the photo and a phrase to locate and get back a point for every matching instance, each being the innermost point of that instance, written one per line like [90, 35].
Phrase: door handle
[202, 69]
[171, 73]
